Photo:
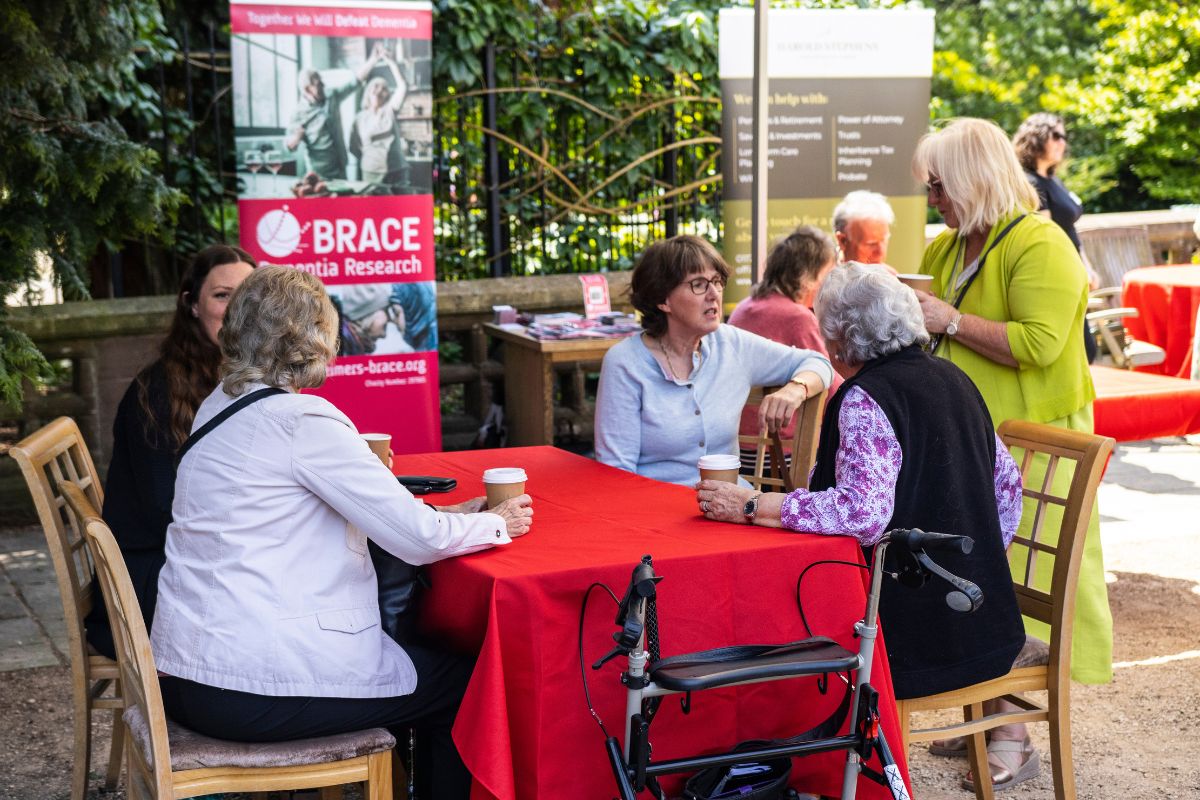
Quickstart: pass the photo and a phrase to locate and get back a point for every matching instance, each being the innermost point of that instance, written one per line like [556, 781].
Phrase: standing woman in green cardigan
[1007, 306]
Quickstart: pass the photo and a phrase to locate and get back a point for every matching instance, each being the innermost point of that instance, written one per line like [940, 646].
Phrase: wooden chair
[1040, 450]
[166, 760]
[1115, 251]
[775, 473]
[1115, 347]
[47, 456]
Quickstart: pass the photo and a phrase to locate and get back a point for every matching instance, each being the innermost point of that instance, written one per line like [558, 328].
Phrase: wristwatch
[751, 508]
[952, 325]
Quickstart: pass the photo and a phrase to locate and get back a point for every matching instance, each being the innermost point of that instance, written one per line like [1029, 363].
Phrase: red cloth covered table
[1167, 299]
[524, 729]
[1132, 406]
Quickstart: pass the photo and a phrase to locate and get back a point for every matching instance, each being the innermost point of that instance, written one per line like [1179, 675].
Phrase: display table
[1167, 300]
[529, 379]
[1132, 406]
[524, 729]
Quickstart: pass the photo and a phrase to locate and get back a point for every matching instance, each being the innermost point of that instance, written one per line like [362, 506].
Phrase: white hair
[865, 313]
[862, 204]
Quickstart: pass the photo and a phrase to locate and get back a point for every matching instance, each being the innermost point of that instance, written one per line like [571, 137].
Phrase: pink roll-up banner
[333, 129]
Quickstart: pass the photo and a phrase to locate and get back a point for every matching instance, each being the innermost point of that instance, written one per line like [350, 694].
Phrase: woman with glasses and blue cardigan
[676, 392]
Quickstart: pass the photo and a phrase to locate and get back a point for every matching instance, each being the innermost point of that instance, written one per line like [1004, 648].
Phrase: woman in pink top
[780, 307]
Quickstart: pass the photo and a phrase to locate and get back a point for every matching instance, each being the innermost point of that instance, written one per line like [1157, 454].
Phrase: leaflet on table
[575, 326]
[334, 137]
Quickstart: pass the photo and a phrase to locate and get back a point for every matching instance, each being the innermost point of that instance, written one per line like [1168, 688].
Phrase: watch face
[751, 507]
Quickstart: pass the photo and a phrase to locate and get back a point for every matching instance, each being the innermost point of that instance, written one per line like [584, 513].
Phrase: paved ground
[1126, 734]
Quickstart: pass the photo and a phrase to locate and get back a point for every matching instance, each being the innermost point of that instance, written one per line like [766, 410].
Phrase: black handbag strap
[936, 339]
[229, 411]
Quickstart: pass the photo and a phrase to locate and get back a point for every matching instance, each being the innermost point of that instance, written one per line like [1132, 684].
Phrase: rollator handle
[641, 587]
[915, 539]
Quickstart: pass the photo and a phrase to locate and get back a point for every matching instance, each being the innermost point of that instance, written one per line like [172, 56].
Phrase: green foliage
[71, 180]
[1121, 72]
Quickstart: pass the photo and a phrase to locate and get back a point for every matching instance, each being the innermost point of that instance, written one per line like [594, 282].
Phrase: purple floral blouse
[862, 501]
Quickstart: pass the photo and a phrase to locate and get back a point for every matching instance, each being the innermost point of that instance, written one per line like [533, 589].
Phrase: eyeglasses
[934, 188]
[1058, 136]
[700, 285]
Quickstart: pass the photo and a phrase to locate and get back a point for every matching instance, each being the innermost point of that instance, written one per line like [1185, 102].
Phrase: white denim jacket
[268, 587]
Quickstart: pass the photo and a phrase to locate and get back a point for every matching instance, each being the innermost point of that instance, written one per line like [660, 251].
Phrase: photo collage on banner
[848, 98]
[333, 105]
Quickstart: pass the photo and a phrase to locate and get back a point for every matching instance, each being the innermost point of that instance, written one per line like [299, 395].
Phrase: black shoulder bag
[936, 338]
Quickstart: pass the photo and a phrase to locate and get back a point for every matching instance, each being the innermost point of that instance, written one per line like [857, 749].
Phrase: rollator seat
[722, 666]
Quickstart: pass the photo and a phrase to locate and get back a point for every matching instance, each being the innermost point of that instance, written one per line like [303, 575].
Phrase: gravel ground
[1131, 737]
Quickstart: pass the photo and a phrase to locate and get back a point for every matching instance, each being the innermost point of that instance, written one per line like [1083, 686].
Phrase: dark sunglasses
[1058, 136]
[934, 187]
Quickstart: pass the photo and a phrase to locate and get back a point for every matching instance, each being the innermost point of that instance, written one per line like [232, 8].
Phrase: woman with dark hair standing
[1041, 145]
[155, 418]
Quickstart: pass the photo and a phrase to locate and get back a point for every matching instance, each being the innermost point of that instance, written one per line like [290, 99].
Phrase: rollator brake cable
[587, 694]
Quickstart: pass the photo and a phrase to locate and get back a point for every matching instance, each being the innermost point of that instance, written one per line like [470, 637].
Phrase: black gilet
[946, 484]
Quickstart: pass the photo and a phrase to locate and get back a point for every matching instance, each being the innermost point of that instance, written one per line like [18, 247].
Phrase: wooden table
[529, 379]
[1168, 300]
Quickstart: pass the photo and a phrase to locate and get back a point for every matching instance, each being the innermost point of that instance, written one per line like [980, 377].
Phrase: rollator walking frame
[649, 678]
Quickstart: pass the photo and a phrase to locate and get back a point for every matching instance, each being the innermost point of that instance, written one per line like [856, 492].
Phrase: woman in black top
[1041, 145]
[155, 418]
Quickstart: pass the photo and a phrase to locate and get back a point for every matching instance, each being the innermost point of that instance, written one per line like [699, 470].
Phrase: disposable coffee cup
[503, 483]
[719, 467]
[914, 281]
[379, 443]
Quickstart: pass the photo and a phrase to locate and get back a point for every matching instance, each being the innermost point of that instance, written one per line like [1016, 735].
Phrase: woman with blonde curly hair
[1007, 305]
[268, 623]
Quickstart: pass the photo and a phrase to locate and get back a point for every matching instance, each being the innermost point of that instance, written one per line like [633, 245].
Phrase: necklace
[667, 355]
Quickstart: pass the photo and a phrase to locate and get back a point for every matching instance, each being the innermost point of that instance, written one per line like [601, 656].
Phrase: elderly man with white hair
[862, 223]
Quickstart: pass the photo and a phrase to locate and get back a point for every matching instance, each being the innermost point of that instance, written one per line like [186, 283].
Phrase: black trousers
[439, 772]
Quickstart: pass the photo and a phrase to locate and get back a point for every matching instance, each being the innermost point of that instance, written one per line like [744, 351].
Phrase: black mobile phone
[424, 484]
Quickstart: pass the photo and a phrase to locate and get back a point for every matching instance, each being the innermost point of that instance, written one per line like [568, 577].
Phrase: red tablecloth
[1132, 406]
[1167, 299]
[524, 729]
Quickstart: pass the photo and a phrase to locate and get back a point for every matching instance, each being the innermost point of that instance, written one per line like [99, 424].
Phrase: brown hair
[795, 262]
[664, 265]
[1030, 139]
[189, 358]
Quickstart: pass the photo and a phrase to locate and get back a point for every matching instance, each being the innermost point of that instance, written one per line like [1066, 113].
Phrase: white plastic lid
[719, 461]
[504, 475]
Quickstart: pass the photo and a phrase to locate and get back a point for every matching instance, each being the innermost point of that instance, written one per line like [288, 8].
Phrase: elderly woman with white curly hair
[268, 624]
[906, 442]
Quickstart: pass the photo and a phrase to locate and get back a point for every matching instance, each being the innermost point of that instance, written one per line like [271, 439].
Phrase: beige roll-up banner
[848, 100]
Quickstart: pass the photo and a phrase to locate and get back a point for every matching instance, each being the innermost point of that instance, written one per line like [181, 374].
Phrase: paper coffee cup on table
[379, 443]
[719, 467]
[914, 281]
[503, 483]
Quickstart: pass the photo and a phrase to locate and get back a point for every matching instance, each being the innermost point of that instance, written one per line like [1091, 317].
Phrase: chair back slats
[46, 456]
[1115, 251]
[1060, 472]
[778, 465]
[139, 677]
